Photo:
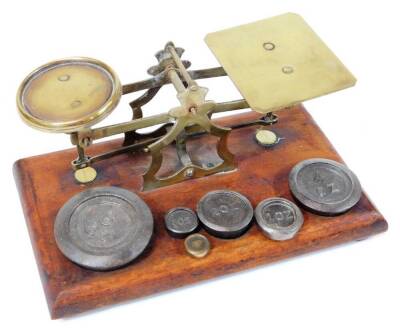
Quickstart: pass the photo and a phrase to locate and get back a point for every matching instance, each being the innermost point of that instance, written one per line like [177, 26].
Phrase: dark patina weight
[324, 186]
[181, 221]
[103, 228]
[279, 218]
[225, 213]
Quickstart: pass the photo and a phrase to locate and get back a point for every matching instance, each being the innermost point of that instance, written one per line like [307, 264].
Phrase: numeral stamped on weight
[279, 216]
[324, 188]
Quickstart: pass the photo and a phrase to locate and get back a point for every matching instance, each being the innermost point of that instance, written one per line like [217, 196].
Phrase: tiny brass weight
[197, 245]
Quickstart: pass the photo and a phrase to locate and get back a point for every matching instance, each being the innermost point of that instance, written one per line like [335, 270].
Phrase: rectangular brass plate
[278, 62]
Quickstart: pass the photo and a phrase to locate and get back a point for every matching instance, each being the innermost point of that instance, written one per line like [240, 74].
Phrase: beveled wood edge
[61, 307]
[27, 194]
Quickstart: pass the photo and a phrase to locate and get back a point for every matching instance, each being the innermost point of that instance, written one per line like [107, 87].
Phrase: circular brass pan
[68, 94]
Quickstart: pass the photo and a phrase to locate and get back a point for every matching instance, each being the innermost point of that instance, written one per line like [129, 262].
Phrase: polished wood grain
[46, 182]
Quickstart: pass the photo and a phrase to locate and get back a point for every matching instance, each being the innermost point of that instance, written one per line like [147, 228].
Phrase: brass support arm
[85, 137]
[160, 80]
[101, 132]
[231, 106]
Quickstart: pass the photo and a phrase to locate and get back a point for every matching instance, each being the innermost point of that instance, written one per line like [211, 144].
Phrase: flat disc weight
[103, 228]
[67, 95]
[324, 186]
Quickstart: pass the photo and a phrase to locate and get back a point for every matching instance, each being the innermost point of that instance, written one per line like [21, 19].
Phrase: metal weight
[324, 186]
[225, 213]
[181, 221]
[278, 218]
[103, 228]
[197, 245]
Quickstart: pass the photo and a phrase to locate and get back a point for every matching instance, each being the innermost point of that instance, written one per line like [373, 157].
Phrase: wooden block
[46, 182]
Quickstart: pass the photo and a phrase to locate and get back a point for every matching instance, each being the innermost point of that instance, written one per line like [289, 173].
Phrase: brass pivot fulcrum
[191, 118]
[194, 112]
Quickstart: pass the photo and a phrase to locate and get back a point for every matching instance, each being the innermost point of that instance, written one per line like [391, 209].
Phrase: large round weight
[103, 228]
[324, 186]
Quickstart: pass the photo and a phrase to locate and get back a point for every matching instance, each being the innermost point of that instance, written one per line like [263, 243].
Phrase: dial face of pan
[69, 94]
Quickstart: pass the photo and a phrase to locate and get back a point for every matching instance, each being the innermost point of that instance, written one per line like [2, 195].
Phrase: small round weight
[181, 221]
[103, 228]
[225, 213]
[324, 186]
[279, 218]
[197, 245]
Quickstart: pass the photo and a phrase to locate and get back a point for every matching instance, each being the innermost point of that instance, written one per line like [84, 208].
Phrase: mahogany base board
[46, 182]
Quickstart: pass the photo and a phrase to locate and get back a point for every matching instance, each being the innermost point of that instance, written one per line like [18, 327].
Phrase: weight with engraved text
[324, 186]
[103, 228]
[279, 218]
[181, 222]
[225, 213]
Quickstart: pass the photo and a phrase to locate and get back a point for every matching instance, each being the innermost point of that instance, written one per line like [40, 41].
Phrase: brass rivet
[86, 142]
[269, 46]
[76, 103]
[64, 77]
[287, 69]
[189, 172]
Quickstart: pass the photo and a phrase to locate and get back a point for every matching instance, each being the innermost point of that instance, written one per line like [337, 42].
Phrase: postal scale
[194, 197]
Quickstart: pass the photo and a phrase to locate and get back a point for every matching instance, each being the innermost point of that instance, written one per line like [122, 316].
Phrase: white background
[352, 286]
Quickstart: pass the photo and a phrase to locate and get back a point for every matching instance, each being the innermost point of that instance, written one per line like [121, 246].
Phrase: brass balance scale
[275, 64]
[273, 70]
